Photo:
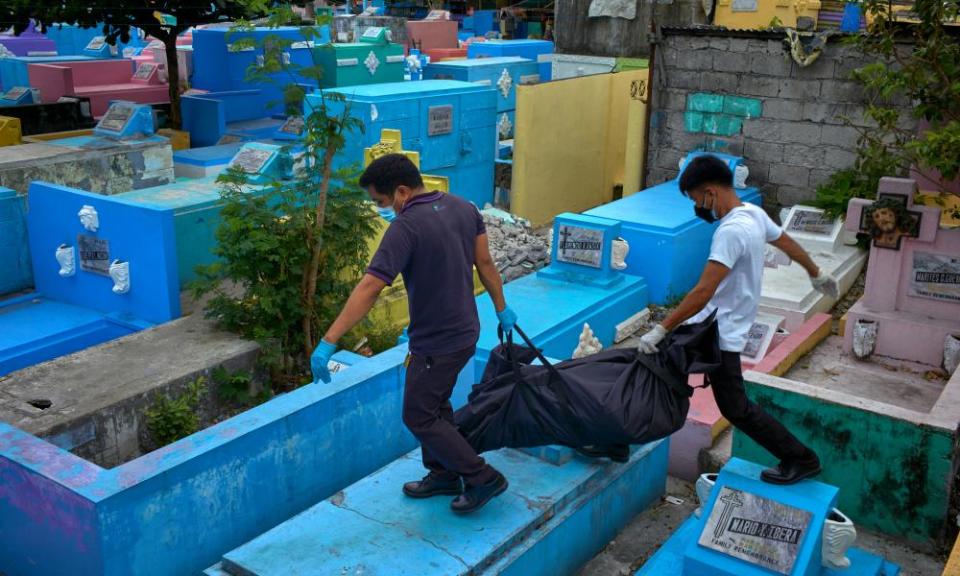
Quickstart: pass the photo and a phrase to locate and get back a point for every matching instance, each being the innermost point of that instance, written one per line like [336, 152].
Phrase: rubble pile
[515, 246]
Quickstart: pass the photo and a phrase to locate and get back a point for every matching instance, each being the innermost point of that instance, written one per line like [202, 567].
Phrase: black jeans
[429, 416]
[764, 429]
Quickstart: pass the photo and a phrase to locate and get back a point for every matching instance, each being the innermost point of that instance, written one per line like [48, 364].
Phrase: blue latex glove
[319, 360]
[508, 319]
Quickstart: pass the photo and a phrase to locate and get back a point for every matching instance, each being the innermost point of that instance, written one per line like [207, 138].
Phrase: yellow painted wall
[575, 140]
[9, 131]
[786, 10]
[58, 135]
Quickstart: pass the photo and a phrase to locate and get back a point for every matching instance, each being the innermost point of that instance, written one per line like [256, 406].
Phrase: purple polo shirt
[431, 243]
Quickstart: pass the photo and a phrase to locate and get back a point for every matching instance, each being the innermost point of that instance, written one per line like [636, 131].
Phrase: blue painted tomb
[668, 243]
[537, 50]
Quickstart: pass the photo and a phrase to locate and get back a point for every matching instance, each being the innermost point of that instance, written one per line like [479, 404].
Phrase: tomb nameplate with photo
[757, 530]
[94, 254]
[935, 276]
[811, 226]
[116, 118]
[145, 71]
[578, 245]
[96, 43]
[251, 160]
[293, 125]
[16, 94]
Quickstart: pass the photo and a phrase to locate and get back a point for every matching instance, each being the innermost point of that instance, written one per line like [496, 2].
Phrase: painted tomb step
[551, 520]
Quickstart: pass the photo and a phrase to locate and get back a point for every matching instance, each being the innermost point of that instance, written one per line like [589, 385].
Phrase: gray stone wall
[801, 135]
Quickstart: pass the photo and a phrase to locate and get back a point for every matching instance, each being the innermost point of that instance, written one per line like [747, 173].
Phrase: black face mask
[704, 213]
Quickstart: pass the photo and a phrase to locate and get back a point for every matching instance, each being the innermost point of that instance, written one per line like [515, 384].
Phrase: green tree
[295, 250]
[917, 61]
[162, 19]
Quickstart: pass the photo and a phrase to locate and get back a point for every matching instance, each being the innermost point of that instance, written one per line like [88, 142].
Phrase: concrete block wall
[741, 93]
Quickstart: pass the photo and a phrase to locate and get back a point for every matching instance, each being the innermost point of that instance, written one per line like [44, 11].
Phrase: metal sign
[439, 120]
[94, 254]
[578, 245]
[935, 276]
[758, 530]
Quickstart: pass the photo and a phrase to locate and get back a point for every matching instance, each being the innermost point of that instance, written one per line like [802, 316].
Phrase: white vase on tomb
[703, 486]
[588, 344]
[66, 259]
[618, 254]
[740, 175]
[89, 217]
[864, 338]
[839, 534]
[120, 274]
[951, 353]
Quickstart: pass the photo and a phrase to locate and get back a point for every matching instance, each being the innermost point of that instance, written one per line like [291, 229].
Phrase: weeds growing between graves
[170, 419]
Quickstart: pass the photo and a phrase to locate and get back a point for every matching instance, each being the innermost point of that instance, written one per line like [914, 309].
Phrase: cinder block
[739, 45]
[769, 64]
[732, 62]
[819, 112]
[673, 99]
[696, 60]
[693, 121]
[760, 86]
[803, 155]
[740, 106]
[778, 109]
[800, 132]
[757, 151]
[819, 177]
[719, 43]
[762, 129]
[840, 136]
[721, 82]
[705, 102]
[688, 79]
[722, 124]
[790, 195]
[821, 68]
[842, 91]
[790, 175]
[776, 46]
[800, 89]
[839, 159]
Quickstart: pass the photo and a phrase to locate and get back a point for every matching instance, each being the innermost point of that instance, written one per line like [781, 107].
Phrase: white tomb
[787, 290]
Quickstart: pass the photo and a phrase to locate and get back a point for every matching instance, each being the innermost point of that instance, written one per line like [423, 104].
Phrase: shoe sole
[500, 491]
[422, 495]
[804, 476]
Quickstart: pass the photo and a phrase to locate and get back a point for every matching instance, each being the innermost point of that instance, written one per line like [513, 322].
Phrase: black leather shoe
[474, 497]
[617, 452]
[434, 485]
[792, 472]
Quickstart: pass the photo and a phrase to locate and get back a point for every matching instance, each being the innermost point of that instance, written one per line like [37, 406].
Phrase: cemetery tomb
[204, 161]
[668, 243]
[449, 123]
[14, 253]
[437, 30]
[215, 118]
[441, 54]
[158, 54]
[20, 95]
[503, 74]
[98, 47]
[787, 290]
[44, 121]
[746, 527]
[30, 42]
[910, 309]
[196, 204]
[14, 71]
[373, 59]
[572, 65]
[540, 51]
[102, 81]
[102, 268]
[70, 39]
[396, 26]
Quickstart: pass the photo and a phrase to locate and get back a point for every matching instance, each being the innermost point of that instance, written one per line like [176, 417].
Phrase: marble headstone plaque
[251, 160]
[94, 254]
[810, 222]
[935, 276]
[578, 245]
[757, 530]
[439, 120]
[116, 118]
[15, 93]
[293, 126]
[96, 43]
[144, 71]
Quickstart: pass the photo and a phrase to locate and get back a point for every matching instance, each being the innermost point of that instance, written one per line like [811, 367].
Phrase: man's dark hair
[705, 169]
[388, 172]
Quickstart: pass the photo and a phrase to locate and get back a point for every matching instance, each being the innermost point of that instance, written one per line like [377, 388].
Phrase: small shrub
[170, 419]
[234, 388]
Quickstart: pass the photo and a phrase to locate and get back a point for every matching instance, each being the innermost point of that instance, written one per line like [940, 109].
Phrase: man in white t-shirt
[730, 285]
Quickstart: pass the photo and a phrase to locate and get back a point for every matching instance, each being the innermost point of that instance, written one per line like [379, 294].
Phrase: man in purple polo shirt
[434, 240]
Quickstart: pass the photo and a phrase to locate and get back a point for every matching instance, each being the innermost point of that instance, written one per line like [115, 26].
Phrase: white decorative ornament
[260, 60]
[951, 353]
[864, 338]
[413, 63]
[588, 345]
[374, 113]
[65, 257]
[504, 126]
[372, 63]
[740, 175]
[285, 58]
[838, 535]
[120, 274]
[618, 254]
[89, 217]
[505, 83]
[703, 486]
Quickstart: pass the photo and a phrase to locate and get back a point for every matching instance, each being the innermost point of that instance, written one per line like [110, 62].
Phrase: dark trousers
[429, 416]
[731, 397]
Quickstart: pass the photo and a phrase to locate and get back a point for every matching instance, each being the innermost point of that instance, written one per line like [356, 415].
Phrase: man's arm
[361, 300]
[697, 298]
[796, 253]
[489, 275]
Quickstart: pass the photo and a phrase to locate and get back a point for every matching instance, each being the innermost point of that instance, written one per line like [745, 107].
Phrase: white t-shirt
[738, 244]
